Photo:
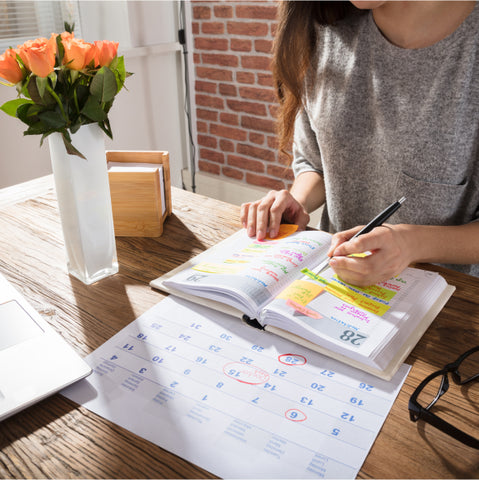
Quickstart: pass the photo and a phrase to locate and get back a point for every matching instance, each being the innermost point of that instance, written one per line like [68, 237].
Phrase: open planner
[273, 284]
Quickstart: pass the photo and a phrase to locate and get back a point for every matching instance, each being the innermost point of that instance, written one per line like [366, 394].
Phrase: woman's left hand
[389, 255]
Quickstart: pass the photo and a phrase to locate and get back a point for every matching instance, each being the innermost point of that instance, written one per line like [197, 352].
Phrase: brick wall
[234, 99]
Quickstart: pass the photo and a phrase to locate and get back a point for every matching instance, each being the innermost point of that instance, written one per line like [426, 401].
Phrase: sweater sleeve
[306, 152]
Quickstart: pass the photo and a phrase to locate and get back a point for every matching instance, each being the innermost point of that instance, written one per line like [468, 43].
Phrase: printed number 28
[353, 337]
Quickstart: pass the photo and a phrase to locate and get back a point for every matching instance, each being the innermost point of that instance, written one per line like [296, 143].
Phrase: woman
[383, 98]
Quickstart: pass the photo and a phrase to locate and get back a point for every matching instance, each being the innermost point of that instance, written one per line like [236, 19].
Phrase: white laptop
[35, 361]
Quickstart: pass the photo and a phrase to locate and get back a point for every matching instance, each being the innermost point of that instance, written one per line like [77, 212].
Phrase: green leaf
[28, 113]
[35, 129]
[120, 71]
[60, 50]
[69, 27]
[52, 120]
[34, 92]
[41, 85]
[105, 126]
[76, 126]
[69, 147]
[83, 94]
[103, 85]
[53, 78]
[93, 110]
[10, 107]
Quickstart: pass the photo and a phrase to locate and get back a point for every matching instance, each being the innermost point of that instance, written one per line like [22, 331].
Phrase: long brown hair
[295, 42]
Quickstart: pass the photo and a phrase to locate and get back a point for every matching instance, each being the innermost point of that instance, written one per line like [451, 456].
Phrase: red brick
[196, 58]
[223, 11]
[257, 138]
[228, 132]
[207, 141]
[272, 142]
[241, 45]
[256, 62]
[222, 60]
[263, 46]
[256, 152]
[195, 28]
[256, 12]
[246, 107]
[245, 163]
[232, 173]
[264, 181]
[265, 79]
[201, 13]
[261, 94]
[253, 29]
[284, 172]
[227, 145]
[203, 114]
[209, 101]
[203, 43]
[229, 118]
[212, 28]
[228, 89]
[202, 127]
[209, 167]
[212, 155]
[273, 110]
[245, 77]
[214, 74]
[206, 87]
[260, 124]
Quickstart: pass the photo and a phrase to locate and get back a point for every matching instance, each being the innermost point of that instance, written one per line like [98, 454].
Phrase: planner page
[236, 401]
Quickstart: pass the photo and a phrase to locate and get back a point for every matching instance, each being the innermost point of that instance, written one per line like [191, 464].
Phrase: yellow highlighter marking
[374, 299]
[225, 268]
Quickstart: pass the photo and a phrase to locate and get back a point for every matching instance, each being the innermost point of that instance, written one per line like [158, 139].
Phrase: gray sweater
[380, 122]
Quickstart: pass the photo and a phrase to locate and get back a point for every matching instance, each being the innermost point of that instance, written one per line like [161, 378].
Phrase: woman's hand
[390, 253]
[265, 215]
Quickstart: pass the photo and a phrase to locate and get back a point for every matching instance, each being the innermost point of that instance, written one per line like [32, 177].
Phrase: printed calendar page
[237, 401]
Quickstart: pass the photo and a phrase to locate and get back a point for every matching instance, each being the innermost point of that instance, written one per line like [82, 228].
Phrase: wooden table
[59, 439]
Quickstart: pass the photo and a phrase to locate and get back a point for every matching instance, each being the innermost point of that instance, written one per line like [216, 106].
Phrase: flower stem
[75, 99]
[55, 96]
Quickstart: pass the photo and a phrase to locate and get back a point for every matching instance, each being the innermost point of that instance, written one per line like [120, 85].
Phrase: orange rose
[39, 55]
[9, 68]
[105, 52]
[78, 53]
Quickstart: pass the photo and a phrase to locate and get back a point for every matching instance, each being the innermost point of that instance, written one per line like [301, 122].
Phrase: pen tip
[401, 200]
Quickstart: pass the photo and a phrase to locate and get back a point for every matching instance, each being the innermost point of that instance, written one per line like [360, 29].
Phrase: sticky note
[302, 309]
[359, 297]
[285, 230]
[301, 292]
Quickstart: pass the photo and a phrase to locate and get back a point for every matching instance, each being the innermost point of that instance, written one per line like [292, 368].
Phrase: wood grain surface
[59, 439]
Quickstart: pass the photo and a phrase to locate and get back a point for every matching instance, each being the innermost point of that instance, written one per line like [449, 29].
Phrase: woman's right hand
[264, 216]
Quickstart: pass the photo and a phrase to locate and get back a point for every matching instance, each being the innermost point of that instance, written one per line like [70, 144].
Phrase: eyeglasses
[463, 371]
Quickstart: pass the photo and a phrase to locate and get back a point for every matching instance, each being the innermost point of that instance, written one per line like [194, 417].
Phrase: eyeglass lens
[469, 367]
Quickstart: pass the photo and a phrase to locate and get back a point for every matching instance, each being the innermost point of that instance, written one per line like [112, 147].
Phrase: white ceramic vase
[83, 193]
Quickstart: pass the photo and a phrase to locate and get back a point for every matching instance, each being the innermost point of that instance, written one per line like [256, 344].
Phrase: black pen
[375, 222]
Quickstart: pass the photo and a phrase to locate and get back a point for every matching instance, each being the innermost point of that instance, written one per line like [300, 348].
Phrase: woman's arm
[394, 247]
[265, 215]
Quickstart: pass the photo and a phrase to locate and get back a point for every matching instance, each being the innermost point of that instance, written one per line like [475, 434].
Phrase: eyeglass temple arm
[446, 427]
